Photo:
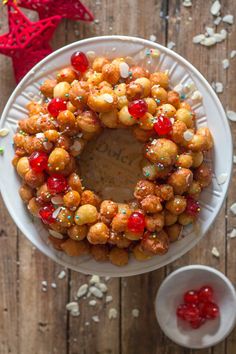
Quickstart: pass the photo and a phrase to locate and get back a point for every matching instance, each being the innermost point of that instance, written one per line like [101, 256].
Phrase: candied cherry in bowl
[163, 125]
[136, 222]
[79, 61]
[38, 161]
[137, 108]
[57, 183]
[46, 214]
[55, 106]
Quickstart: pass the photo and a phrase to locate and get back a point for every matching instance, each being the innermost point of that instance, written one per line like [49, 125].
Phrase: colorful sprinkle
[1, 150]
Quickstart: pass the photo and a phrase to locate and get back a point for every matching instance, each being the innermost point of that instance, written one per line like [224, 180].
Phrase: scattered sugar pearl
[215, 252]
[225, 63]
[61, 275]
[215, 8]
[188, 135]
[73, 308]
[92, 303]
[187, 3]
[57, 200]
[171, 45]
[82, 290]
[196, 96]
[217, 87]
[234, 159]
[96, 292]
[95, 319]
[112, 314]
[208, 41]
[56, 234]
[198, 38]
[232, 234]
[153, 38]
[222, 178]
[109, 298]
[44, 283]
[228, 19]
[218, 20]
[53, 285]
[231, 115]
[94, 279]
[102, 287]
[87, 323]
[107, 97]
[210, 31]
[124, 70]
[233, 54]
[135, 313]
[233, 208]
[4, 132]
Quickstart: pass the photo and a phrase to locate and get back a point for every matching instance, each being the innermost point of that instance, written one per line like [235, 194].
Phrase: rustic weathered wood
[33, 321]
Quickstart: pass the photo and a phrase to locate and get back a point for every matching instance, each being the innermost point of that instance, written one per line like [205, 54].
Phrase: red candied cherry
[55, 106]
[180, 312]
[210, 310]
[163, 125]
[137, 108]
[191, 312]
[191, 297]
[38, 161]
[46, 214]
[136, 222]
[198, 322]
[57, 183]
[193, 207]
[79, 61]
[205, 294]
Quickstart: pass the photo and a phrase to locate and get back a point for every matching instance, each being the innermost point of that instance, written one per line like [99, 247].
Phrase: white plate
[194, 277]
[210, 112]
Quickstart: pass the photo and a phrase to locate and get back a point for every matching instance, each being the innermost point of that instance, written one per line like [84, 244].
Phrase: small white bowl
[170, 295]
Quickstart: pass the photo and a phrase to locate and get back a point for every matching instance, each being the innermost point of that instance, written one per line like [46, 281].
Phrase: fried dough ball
[56, 242]
[99, 63]
[184, 161]
[95, 78]
[75, 183]
[61, 90]
[119, 222]
[174, 232]
[205, 132]
[77, 232]
[133, 236]
[75, 248]
[98, 233]
[162, 151]
[164, 191]
[160, 94]
[194, 189]
[146, 122]
[119, 256]
[167, 110]
[180, 180]
[71, 199]
[144, 188]
[185, 116]
[26, 193]
[34, 207]
[65, 217]
[58, 160]
[142, 135]
[111, 73]
[77, 147]
[102, 102]
[185, 105]
[52, 135]
[197, 143]
[89, 197]
[203, 175]
[146, 85]
[119, 240]
[86, 214]
[197, 159]
[134, 91]
[34, 179]
[108, 209]
[56, 226]
[152, 106]
[160, 78]
[78, 94]
[47, 87]
[154, 222]
[170, 218]
[100, 253]
[22, 166]
[109, 119]
[185, 219]
[178, 130]
[151, 204]
[64, 142]
[88, 122]
[177, 205]
[137, 71]
[174, 98]
[155, 171]
[125, 117]
[66, 120]
[140, 254]
[43, 193]
[155, 243]
[67, 75]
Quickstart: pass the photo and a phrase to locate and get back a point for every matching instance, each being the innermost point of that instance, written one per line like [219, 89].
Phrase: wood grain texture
[36, 322]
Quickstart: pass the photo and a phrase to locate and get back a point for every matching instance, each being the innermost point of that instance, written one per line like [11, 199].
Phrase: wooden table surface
[36, 322]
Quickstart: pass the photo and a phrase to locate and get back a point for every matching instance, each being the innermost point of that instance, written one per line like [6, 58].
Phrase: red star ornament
[27, 42]
[71, 9]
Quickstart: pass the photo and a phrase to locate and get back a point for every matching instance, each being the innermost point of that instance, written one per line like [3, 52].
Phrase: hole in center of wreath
[111, 164]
